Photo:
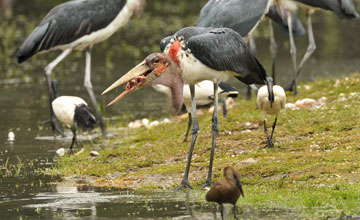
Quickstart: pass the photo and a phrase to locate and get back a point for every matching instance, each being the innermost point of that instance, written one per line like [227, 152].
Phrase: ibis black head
[270, 84]
[84, 117]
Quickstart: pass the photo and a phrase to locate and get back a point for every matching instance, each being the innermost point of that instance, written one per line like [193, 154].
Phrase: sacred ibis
[271, 100]
[72, 111]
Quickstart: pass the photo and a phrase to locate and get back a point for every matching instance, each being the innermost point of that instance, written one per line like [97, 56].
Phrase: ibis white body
[264, 102]
[64, 108]
[204, 94]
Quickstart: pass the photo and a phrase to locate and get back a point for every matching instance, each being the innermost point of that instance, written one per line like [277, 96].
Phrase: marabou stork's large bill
[191, 55]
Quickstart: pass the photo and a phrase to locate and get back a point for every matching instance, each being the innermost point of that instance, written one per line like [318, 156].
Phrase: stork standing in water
[191, 55]
[280, 18]
[271, 100]
[204, 96]
[77, 25]
[72, 111]
[344, 9]
[226, 190]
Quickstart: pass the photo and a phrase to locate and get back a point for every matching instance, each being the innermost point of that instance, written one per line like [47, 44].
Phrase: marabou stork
[344, 9]
[72, 111]
[204, 96]
[191, 55]
[226, 190]
[280, 18]
[242, 16]
[77, 25]
[271, 104]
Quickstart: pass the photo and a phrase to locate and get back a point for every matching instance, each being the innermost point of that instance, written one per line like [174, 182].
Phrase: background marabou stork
[280, 18]
[191, 55]
[204, 96]
[243, 16]
[344, 9]
[77, 25]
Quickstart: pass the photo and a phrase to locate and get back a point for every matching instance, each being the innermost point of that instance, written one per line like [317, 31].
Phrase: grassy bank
[315, 165]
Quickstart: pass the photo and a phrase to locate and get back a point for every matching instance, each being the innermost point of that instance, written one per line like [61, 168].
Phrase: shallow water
[32, 195]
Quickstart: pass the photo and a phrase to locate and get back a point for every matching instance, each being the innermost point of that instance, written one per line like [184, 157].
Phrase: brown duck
[226, 190]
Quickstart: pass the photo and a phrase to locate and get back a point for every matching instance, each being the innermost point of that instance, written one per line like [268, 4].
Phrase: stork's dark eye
[156, 60]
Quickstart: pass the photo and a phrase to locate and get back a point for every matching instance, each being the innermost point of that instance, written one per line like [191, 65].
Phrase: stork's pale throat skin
[142, 75]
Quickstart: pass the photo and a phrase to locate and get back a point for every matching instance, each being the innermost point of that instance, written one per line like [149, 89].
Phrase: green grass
[316, 168]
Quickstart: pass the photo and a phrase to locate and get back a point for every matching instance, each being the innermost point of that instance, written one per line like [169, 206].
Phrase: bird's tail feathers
[32, 42]
[84, 117]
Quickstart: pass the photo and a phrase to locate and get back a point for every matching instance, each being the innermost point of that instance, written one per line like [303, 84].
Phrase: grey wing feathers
[275, 15]
[67, 22]
[342, 8]
[224, 49]
[239, 15]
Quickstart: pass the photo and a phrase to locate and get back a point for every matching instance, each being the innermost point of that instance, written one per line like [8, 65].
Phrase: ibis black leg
[48, 70]
[222, 211]
[292, 52]
[215, 130]
[310, 50]
[223, 100]
[269, 144]
[89, 88]
[234, 210]
[188, 127]
[273, 49]
[74, 139]
[194, 134]
[273, 128]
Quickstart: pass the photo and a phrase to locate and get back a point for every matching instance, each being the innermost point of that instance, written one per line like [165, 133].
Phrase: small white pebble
[154, 123]
[11, 136]
[94, 153]
[307, 87]
[61, 152]
[166, 120]
[145, 122]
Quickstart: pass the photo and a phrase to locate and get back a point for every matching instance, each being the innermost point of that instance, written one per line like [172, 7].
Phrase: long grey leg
[234, 210]
[188, 127]
[223, 100]
[269, 144]
[48, 70]
[89, 88]
[215, 130]
[292, 52]
[194, 134]
[273, 49]
[253, 51]
[310, 50]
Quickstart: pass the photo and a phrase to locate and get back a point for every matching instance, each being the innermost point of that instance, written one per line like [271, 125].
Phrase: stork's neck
[177, 93]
